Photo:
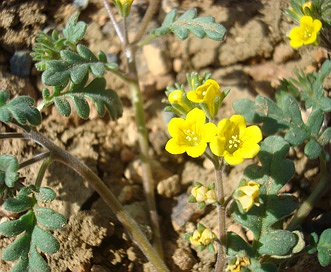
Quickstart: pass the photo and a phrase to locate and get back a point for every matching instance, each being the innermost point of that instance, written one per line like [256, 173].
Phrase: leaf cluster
[284, 115]
[187, 23]
[20, 108]
[322, 245]
[32, 229]
[266, 220]
[66, 67]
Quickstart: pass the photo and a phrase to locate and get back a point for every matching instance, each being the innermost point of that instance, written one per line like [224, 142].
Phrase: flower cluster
[205, 94]
[202, 237]
[309, 28]
[247, 195]
[203, 195]
[231, 138]
[237, 263]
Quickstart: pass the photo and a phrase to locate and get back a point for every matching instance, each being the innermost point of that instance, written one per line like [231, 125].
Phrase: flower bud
[247, 195]
[123, 7]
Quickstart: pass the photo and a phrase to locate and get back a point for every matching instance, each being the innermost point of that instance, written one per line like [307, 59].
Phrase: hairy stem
[306, 207]
[57, 154]
[114, 22]
[148, 182]
[218, 168]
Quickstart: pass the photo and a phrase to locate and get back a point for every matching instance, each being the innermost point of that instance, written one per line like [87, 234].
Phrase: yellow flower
[237, 263]
[207, 93]
[190, 135]
[202, 238]
[203, 194]
[234, 141]
[247, 195]
[176, 97]
[306, 33]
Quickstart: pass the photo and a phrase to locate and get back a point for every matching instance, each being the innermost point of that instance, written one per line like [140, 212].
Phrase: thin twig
[34, 159]
[11, 135]
[58, 154]
[152, 8]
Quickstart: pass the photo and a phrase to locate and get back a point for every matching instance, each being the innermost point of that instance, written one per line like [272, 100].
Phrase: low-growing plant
[74, 75]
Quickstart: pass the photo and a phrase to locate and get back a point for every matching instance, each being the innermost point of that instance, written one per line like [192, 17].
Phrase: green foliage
[33, 238]
[262, 220]
[324, 248]
[66, 62]
[8, 175]
[287, 115]
[189, 22]
[21, 108]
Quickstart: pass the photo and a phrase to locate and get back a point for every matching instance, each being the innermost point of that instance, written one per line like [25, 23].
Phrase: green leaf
[19, 204]
[49, 219]
[262, 219]
[19, 248]
[324, 248]
[189, 22]
[103, 99]
[36, 262]
[15, 227]
[21, 108]
[44, 240]
[73, 66]
[74, 31]
[8, 170]
[45, 194]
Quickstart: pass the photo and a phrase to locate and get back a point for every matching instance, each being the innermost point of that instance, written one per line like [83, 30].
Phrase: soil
[255, 56]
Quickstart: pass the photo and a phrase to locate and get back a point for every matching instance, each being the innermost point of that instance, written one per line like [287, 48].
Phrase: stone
[169, 187]
[20, 63]
[156, 59]
[283, 52]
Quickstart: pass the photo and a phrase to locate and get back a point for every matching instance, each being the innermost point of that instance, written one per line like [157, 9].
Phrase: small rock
[184, 212]
[156, 60]
[184, 259]
[283, 53]
[177, 65]
[169, 187]
[20, 63]
[80, 4]
[126, 155]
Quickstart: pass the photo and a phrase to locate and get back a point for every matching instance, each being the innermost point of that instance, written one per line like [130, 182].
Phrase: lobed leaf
[74, 31]
[21, 108]
[49, 218]
[187, 23]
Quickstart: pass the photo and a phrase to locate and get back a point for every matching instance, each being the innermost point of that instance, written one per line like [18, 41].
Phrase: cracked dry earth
[255, 56]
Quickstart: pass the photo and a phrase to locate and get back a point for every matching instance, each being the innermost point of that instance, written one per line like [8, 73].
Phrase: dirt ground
[255, 56]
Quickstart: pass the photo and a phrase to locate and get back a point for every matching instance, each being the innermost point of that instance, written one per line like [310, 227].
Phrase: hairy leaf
[189, 22]
[103, 99]
[324, 248]
[74, 31]
[8, 170]
[261, 219]
[21, 108]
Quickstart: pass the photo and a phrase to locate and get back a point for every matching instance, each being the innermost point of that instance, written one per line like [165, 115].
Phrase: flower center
[233, 143]
[191, 137]
[307, 32]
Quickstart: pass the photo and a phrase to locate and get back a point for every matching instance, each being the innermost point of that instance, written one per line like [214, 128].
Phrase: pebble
[80, 4]
[169, 187]
[20, 63]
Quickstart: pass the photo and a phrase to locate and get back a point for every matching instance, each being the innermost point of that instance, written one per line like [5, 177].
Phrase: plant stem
[114, 22]
[11, 135]
[306, 207]
[218, 168]
[152, 8]
[148, 182]
[42, 171]
[57, 154]
[34, 159]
